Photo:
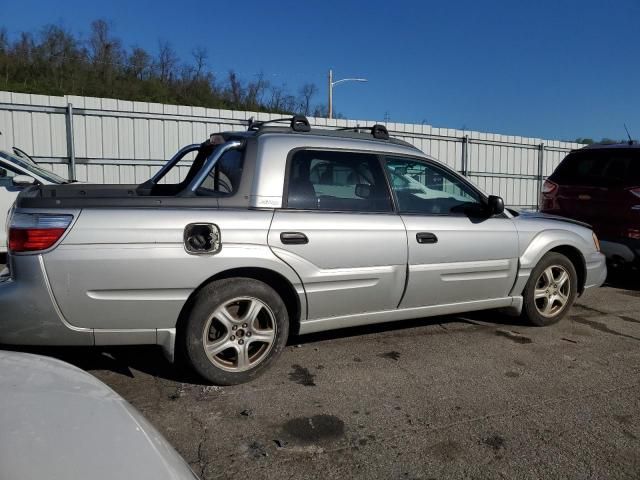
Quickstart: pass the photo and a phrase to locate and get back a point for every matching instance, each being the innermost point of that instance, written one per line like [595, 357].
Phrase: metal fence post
[540, 172]
[465, 155]
[70, 145]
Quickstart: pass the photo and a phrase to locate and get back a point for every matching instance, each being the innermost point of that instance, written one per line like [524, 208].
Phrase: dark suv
[600, 185]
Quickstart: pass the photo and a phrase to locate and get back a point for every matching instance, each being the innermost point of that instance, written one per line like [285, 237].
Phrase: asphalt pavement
[472, 396]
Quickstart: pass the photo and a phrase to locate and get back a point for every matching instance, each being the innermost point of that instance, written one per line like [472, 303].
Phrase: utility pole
[333, 84]
[330, 93]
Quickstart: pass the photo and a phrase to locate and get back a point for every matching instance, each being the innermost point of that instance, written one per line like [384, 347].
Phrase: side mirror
[495, 205]
[23, 180]
[363, 190]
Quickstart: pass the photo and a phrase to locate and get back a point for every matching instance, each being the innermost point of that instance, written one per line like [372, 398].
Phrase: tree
[307, 91]
[139, 63]
[167, 62]
[200, 56]
[57, 62]
[255, 92]
[106, 51]
[321, 111]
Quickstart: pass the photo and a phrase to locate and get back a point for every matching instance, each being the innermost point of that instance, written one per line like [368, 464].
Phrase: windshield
[35, 169]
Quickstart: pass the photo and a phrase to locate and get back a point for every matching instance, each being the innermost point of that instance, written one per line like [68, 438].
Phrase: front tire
[236, 328]
[550, 291]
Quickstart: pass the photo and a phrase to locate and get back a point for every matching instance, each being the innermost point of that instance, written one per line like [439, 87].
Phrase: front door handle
[426, 237]
[293, 238]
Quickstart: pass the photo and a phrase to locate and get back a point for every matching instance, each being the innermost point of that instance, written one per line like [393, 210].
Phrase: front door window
[427, 189]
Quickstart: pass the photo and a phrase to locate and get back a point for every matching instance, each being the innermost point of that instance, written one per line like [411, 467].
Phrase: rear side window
[601, 168]
[6, 176]
[337, 181]
[224, 178]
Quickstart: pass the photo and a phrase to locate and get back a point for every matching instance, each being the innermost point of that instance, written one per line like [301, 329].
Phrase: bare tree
[307, 91]
[235, 89]
[60, 54]
[200, 56]
[281, 101]
[4, 41]
[4, 54]
[167, 62]
[139, 63]
[106, 51]
[321, 111]
[255, 92]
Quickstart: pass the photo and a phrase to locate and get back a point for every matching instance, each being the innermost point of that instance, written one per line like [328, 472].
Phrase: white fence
[118, 141]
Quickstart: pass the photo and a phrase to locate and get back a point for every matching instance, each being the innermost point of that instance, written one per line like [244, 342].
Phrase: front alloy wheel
[550, 291]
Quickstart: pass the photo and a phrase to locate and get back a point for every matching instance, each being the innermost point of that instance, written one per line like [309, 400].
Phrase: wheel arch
[567, 243]
[275, 280]
[577, 259]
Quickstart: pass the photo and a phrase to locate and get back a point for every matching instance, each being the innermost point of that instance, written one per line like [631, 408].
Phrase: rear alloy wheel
[235, 329]
[550, 291]
[239, 334]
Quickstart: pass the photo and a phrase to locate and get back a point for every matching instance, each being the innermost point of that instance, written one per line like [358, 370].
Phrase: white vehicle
[58, 422]
[18, 171]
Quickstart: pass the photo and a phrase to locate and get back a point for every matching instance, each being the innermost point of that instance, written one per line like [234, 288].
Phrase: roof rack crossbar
[377, 131]
[298, 123]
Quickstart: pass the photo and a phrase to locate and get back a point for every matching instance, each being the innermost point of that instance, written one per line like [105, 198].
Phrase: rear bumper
[596, 270]
[29, 314]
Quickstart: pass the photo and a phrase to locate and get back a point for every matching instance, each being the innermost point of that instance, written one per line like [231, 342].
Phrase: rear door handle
[426, 237]
[293, 238]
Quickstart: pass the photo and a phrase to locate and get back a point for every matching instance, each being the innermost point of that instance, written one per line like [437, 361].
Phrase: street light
[332, 84]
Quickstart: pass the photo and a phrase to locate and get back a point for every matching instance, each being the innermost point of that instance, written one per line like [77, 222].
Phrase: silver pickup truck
[274, 230]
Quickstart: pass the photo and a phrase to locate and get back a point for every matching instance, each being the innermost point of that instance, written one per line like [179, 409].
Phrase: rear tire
[550, 291]
[235, 329]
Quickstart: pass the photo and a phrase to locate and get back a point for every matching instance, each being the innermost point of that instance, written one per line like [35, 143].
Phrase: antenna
[628, 134]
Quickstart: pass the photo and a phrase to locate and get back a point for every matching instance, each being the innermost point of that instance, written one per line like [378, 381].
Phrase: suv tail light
[549, 187]
[32, 232]
[635, 191]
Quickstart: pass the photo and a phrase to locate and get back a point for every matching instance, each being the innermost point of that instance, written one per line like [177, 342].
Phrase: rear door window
[337, 181]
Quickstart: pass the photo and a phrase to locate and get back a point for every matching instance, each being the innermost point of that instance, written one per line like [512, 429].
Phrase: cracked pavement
[470, 396]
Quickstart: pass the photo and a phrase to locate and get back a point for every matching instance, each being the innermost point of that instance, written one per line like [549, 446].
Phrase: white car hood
[59, 422]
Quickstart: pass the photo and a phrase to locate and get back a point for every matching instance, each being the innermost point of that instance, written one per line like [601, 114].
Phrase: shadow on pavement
[150, 360]
[121, 360]
[489, 316]
[624, 279]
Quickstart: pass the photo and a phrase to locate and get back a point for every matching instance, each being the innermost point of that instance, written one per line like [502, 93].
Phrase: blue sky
[553, 69]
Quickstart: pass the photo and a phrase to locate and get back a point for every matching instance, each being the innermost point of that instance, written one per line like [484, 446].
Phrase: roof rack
[298, 123]
[377, 131]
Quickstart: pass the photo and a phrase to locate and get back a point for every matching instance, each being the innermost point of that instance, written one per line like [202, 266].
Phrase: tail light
[635, 191]
[32, 232]
[549, 187]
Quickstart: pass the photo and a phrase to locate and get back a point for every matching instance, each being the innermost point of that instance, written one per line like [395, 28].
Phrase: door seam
[406, 263]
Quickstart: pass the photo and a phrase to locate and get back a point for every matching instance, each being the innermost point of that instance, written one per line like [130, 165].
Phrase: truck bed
[79, 195]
